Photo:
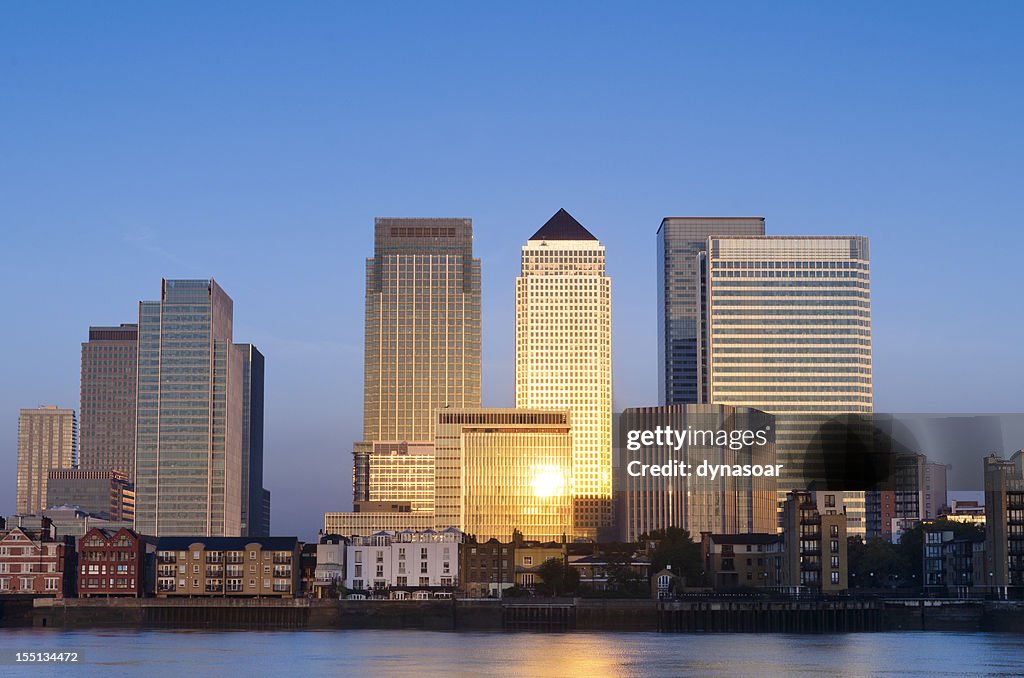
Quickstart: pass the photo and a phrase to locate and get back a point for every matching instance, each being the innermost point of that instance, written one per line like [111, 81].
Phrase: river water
[420, 654]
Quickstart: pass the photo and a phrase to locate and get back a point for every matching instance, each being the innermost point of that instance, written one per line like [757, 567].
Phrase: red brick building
[33, 561]
[111, 563]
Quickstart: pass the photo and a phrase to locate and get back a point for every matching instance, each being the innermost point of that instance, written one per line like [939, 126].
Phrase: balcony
[282, 571]
[282, 559]
[166, 559]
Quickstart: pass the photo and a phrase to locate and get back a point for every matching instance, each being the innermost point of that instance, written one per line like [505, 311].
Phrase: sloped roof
[562, 226]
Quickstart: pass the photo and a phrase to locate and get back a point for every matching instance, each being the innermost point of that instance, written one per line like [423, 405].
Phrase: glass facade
[255, 516]
[680, 242]
[402, 472]
[422, 326]
[722, 505]
[107, 426]
[789, 333]
[47, 440]
[502, 469]
[189, 414]
[564, 355]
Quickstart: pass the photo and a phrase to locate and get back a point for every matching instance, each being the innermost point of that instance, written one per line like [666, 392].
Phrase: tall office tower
[680, 242]
[504, 469]
[47, 440]
[1004, 518]
[188, 459]
[725, 504]
[789, 333]
[422, 334]
[564, 354]
[107, 426]
[254, 522]
[422, 326]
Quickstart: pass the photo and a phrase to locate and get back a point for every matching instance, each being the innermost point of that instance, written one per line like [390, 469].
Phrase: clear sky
[255, 142]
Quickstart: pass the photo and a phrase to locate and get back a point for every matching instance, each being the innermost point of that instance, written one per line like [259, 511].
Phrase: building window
[833, 530]
[528, 560]
[835, 577]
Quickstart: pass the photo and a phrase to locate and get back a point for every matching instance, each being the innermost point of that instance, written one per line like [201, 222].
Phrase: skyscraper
[422, 335]
[564, 353]
[789, 333]
[422, 326]
[107, 427]
[188, 478]
[47, 440]
[255, 515]
[680, 241]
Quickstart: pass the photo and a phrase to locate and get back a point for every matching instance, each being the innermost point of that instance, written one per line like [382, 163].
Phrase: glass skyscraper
[107, 425]
[189, 426]
[789, 333]
[680, 242]
[47, 440]
[422, 326]
[422, 334]
[255, 506]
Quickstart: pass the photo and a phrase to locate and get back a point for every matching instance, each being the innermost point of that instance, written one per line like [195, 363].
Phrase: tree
[677, 549]
[558, 579]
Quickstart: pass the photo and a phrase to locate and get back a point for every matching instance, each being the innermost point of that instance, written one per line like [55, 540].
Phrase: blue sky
[255, 142]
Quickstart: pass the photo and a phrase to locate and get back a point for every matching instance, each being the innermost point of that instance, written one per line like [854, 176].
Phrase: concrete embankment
[700, 615]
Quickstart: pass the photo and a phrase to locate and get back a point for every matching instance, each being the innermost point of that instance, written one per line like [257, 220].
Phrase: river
[420, 654]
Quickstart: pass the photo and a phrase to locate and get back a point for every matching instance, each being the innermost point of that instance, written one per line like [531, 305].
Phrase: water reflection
[421, 654]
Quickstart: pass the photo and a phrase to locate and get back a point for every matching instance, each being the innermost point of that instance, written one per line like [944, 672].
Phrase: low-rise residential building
[260, 567]
[815, 546]
[600, 572]
[528, 558]
[1004, 525]
[113, 563]
[403, 565]
[733, 561]
[33, 560]
[329, 576]
[486, 568]
[953, 566]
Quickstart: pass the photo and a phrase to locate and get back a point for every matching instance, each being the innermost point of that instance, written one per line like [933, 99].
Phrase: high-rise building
[680, 242]
[789, 333]
[188, 461]
[47, 440]
[1004, 525]
[107, 426]
[254, 522]
[503, 469]
[422, 350]
[422, 326]
[724, 504]
[564, 353]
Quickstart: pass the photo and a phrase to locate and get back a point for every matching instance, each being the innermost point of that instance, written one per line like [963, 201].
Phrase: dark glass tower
[681, 240]
[254, 522]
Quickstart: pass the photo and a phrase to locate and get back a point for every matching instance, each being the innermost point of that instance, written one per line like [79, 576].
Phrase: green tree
[557, 578]
[675, 547]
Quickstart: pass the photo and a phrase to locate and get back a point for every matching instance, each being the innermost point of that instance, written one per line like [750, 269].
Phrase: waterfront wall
[705, 615]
